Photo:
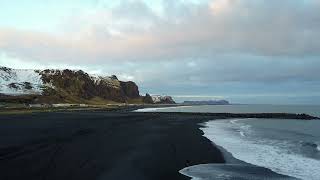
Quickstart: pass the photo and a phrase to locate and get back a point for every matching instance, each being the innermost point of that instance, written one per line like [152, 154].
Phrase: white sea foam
[230, 172]
[158, 109]
[234, 121]
[271, 154]
[242, 133]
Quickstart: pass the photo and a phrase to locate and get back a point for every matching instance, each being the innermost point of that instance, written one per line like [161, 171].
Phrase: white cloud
[126, 77]
[220, 6]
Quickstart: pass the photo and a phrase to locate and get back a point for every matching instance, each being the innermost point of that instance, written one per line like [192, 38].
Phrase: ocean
[288, 147]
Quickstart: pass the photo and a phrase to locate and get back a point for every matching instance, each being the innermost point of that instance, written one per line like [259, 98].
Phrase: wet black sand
[103, 145]
[93, 145]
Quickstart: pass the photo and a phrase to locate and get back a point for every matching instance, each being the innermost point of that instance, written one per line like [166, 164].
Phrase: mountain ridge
[65, 86]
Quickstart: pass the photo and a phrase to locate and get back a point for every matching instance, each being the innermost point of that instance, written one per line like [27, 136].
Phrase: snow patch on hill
[20, 81]
[111, 81]
[158, 99]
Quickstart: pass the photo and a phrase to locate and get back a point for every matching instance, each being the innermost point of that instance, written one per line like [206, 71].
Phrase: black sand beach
[96, 145]
[103, 145]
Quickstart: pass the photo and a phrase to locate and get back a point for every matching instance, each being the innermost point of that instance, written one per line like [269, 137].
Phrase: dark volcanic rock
[130, 89]
[75, 83]
[5, 69]
[81, 85]
[27, 85]
[114, 77]
[13, 86]
[147, 99]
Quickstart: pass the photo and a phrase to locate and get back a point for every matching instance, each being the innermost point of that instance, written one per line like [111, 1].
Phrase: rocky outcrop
[147, 99]
[130, 89]
[82, 85]
[157, 99]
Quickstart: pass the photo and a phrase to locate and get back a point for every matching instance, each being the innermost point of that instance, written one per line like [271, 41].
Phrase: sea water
[256, 108]
[288, 147]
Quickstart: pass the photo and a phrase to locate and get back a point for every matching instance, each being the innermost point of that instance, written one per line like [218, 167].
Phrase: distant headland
[209, 102]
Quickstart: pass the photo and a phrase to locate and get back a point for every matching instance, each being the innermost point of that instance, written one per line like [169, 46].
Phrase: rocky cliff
[64, 86]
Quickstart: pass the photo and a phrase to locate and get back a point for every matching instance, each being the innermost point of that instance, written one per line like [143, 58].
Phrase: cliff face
[58, 86]
[130, 89]
[81, 84]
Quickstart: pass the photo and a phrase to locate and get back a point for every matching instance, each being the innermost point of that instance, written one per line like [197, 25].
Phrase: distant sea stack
[210, 102]
[65, 86]
[148, 99]
[158, 99]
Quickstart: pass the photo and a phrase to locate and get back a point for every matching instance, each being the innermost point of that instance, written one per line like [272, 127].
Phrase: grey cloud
[236, 68]
[189, 47]
[132, 31]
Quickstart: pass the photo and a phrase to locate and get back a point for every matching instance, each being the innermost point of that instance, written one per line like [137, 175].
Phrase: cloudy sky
[247, 51]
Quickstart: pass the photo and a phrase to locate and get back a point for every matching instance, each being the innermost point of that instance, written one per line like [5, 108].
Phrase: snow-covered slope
[27, 81]
[158, 99]
[111, 81]
[20, 81]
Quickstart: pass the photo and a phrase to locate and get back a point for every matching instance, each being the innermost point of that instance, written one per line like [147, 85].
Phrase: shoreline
[268, 143]
[134, 107]
[88, 145]
[78, 108]
[246, 169]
